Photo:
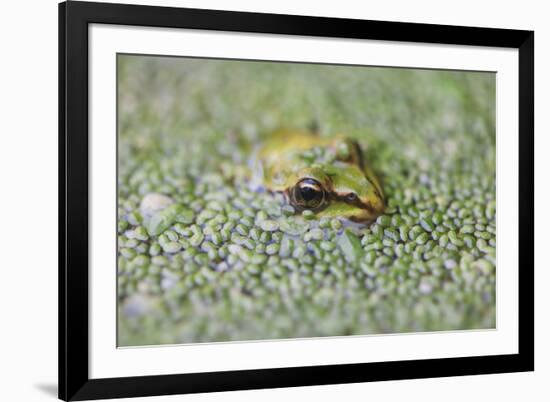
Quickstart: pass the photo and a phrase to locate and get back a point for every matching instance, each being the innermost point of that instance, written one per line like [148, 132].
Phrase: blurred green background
[224, 263]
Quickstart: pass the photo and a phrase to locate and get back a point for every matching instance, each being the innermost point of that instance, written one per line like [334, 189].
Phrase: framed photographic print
[257, 200]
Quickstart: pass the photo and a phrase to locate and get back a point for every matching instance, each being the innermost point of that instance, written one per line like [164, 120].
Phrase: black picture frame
[74, 18]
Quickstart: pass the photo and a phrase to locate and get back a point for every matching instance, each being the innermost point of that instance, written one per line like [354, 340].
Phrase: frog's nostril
[351, 197]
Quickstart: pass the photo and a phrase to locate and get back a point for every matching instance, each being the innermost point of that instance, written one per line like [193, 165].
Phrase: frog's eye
[308, 193]
[351, 197]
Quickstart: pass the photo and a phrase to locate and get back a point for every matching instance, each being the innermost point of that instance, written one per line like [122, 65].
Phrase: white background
[28, 200]
[108, 361]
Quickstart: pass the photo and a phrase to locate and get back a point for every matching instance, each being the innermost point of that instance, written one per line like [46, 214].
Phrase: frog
[327, 175]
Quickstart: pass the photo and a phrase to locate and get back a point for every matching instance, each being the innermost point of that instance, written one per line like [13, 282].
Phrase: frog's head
[337, 190]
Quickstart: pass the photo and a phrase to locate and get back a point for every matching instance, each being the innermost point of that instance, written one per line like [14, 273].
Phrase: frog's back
[286, 143]
[279, 156]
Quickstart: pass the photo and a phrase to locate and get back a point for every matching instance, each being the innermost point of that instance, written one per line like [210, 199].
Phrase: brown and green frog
[327, 175]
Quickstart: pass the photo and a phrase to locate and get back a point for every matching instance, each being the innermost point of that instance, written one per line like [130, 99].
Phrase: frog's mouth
[365, 210]
[362, 217]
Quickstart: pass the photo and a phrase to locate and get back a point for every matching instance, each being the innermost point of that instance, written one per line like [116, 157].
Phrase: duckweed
[269, 226]
[217, 260]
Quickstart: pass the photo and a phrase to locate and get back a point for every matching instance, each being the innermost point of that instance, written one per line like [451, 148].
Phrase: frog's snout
[371, 208]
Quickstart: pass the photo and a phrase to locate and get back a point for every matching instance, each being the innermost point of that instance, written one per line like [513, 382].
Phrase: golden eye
[308, 193]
